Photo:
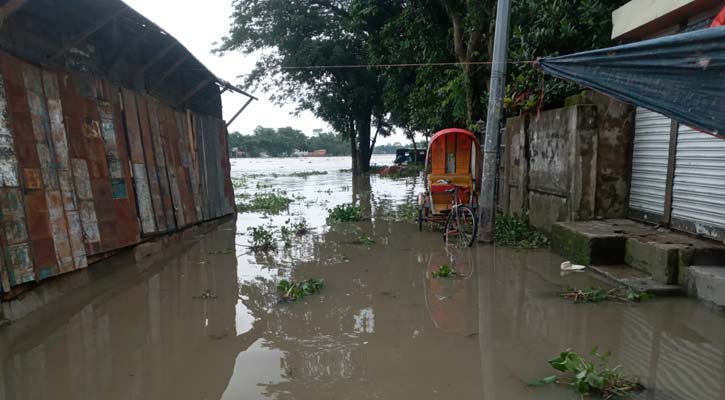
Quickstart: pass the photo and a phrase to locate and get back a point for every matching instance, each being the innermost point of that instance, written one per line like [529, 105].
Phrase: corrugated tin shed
[110, 132]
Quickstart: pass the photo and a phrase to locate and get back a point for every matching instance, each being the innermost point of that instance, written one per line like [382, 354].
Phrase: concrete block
[708, 283]
[584, 243]
[661, 260]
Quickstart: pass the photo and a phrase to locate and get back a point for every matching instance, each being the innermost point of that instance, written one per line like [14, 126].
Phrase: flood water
[205, 323]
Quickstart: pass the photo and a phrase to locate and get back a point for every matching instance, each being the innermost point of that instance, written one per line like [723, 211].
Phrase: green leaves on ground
[273, 202]
[515, 231]
[444, 271]
[291, 290]
[596, 295]
[345, 213]
[587, 377]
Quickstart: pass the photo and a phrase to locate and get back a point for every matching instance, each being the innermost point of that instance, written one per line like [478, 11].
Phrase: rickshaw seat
[440, 192]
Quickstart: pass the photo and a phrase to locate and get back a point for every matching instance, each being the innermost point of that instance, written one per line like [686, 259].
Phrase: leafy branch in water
[262, 239]
[345, 213]
[591, 377]
[291, 290]
[444, 271]
[515, 231]
[596, 295]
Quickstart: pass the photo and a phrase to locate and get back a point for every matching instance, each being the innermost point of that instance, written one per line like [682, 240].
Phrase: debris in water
[596, 295]
[587, 377]
[207, 295]
[291, 290]
[444, 271]
[568, 266]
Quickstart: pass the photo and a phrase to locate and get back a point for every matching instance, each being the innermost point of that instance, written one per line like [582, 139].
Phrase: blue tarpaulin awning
[681, 76]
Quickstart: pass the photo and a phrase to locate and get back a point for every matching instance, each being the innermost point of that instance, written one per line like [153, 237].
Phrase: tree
[302, 33]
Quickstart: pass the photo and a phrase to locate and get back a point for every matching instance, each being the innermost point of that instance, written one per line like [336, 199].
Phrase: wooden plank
[194, 154]
[156, 116]
[54, 202]
[61, 161]
[138, 167]
[153, 179]
[124, 197]
[83, 129]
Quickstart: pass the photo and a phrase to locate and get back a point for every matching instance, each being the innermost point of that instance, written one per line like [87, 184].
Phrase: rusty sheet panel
[114, 140]
[156, 116]
[16, 265]
[176, 174]
[195, 177]
[62, 167]
[138, 166]
[201, 165]
[49, 169]
[88, 162]
[177, 134]
[150, 162]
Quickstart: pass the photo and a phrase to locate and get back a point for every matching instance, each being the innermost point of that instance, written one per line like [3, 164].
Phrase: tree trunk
[362, 125]
[353, 149]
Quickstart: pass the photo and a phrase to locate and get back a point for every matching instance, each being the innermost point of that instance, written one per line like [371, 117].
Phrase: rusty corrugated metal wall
[87, 167]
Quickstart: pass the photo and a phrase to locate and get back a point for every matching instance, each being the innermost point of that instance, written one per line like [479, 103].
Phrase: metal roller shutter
[698, 194]
[649, 165]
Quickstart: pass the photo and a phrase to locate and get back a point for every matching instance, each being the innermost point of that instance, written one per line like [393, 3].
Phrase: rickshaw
[452, 184]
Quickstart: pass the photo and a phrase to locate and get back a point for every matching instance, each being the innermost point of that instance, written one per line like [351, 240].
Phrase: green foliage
[587, 377]
[262, 239]
[551, 28]
[515, 231]
[345, 213]
[444, 271]
[273, 202]
[596, 295]
[291, 290]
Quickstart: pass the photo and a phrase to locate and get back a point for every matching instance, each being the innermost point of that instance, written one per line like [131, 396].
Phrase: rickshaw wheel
[463, 225]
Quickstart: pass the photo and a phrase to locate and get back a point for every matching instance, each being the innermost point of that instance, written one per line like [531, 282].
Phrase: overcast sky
[199, 24]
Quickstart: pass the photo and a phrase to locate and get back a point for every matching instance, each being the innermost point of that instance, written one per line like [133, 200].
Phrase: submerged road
[205, 322]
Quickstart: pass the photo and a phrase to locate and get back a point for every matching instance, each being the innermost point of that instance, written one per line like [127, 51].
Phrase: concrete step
[707, 283]
[624, 275]
[595, 242]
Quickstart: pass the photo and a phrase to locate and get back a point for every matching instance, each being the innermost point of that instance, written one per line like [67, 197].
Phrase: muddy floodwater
[205, 322]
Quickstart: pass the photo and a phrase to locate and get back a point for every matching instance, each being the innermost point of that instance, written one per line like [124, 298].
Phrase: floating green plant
[291, 290]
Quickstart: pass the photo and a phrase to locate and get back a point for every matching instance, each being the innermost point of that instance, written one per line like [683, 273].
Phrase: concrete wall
[570, 164]
[651, 18]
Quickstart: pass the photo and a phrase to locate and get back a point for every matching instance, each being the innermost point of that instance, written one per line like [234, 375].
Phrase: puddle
[207, 324]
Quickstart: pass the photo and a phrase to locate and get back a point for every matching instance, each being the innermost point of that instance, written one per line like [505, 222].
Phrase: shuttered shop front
[698, 194]
[649, 166]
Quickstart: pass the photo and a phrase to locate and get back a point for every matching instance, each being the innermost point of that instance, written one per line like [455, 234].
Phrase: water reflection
[141, 340]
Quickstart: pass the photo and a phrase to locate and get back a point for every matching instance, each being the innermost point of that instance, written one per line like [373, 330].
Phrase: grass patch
[345, 213]
[291, 290]
[588, 377]
[597, 295]
[273, 202]
[444, 271]
[515, 231]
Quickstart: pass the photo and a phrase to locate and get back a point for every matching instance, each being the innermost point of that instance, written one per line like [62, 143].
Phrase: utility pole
[487, 199]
